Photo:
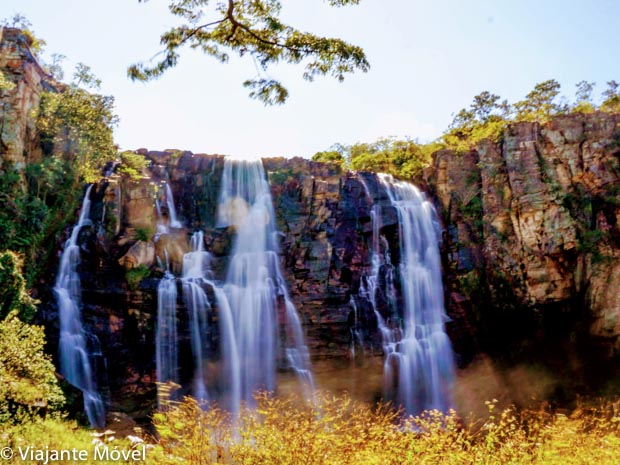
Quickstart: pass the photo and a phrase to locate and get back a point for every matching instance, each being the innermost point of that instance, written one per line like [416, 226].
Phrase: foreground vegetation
[338, 430]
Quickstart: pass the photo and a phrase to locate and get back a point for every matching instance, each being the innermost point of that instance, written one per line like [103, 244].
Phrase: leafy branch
[252, 27]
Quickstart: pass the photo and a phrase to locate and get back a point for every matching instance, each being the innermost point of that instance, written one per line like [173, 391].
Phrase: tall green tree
[612, 97]
[252, 27]
[583, 95]
[540, 104]
[76, 124]
[485, 118]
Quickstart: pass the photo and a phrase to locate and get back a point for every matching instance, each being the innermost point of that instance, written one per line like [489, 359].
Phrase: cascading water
[195, 273]
[173, 221]
[172, 211]
[166, 337]
[75, 359]
[254, 288]
[419, 366]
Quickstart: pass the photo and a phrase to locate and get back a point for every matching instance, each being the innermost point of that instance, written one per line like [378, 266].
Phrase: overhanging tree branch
[253, 27]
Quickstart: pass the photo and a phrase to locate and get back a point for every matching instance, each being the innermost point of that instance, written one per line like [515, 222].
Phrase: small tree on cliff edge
[252, 27]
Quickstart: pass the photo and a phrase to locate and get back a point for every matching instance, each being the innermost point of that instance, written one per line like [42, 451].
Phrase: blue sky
[428, 58]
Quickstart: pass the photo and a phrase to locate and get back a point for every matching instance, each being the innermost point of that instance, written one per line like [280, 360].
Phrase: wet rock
[142, 253]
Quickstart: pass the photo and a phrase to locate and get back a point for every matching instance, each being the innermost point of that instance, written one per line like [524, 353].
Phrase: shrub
[337, 430]
[132, 165]
[28, 381]
[13, 294]
[135, 275]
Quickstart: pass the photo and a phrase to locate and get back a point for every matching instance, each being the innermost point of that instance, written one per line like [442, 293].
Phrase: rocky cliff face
[530, 247]
[18, 136]
[532, 226]
[323, 215]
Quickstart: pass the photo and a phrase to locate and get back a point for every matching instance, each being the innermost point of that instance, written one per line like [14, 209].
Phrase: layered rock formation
[532, 224]
[18, 135]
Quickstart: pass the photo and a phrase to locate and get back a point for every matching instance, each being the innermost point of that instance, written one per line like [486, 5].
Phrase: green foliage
[76, 125]
[54, 434]
[252, 28]
[27, 373]
[402, 158]
[31, 214]
[143, 234]
[330, 156]
[135, 275]
[378, 161]
[132, 165]
[583, 103]
[13, 294]
[486, 118]
[612, 98]
[540, 104]
[5, 84]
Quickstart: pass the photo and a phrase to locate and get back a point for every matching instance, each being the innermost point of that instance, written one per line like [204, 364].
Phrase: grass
[340, 431]
[337, 430]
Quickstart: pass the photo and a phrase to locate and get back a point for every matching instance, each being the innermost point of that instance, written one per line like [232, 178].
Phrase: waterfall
[194, 279]
[172, 212]
[173, 221]
[75, 363]
[419, 366]
[166, 336]
[255, 290]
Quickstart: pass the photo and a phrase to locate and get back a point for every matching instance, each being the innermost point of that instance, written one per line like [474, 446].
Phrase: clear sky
[428, 58]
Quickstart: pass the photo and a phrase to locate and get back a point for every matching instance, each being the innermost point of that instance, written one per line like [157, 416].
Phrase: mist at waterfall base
[74, 351]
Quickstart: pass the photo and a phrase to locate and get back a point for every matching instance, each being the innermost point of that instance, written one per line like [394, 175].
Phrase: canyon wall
[532, 230]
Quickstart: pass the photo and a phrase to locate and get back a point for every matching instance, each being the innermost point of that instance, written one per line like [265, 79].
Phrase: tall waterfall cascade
[75, 355]
[419, 362]
[166, 351]
[255, 289]
[166, 337]
[258, 329]
[195, 274]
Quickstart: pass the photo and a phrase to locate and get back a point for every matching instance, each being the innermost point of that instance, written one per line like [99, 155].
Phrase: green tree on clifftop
[540, 104]
[76, 124]
[252, 27]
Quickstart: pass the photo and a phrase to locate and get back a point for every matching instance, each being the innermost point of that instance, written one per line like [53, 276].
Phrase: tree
[485, 105]
[583, 95]
[330, 156]
[485, 119]
[540, 104]
[76, 124]
[612, 97]
[252, 27]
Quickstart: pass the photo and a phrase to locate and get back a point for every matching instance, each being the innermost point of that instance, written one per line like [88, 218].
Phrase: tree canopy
[254, 28]
[76, 124]
[402, 158]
